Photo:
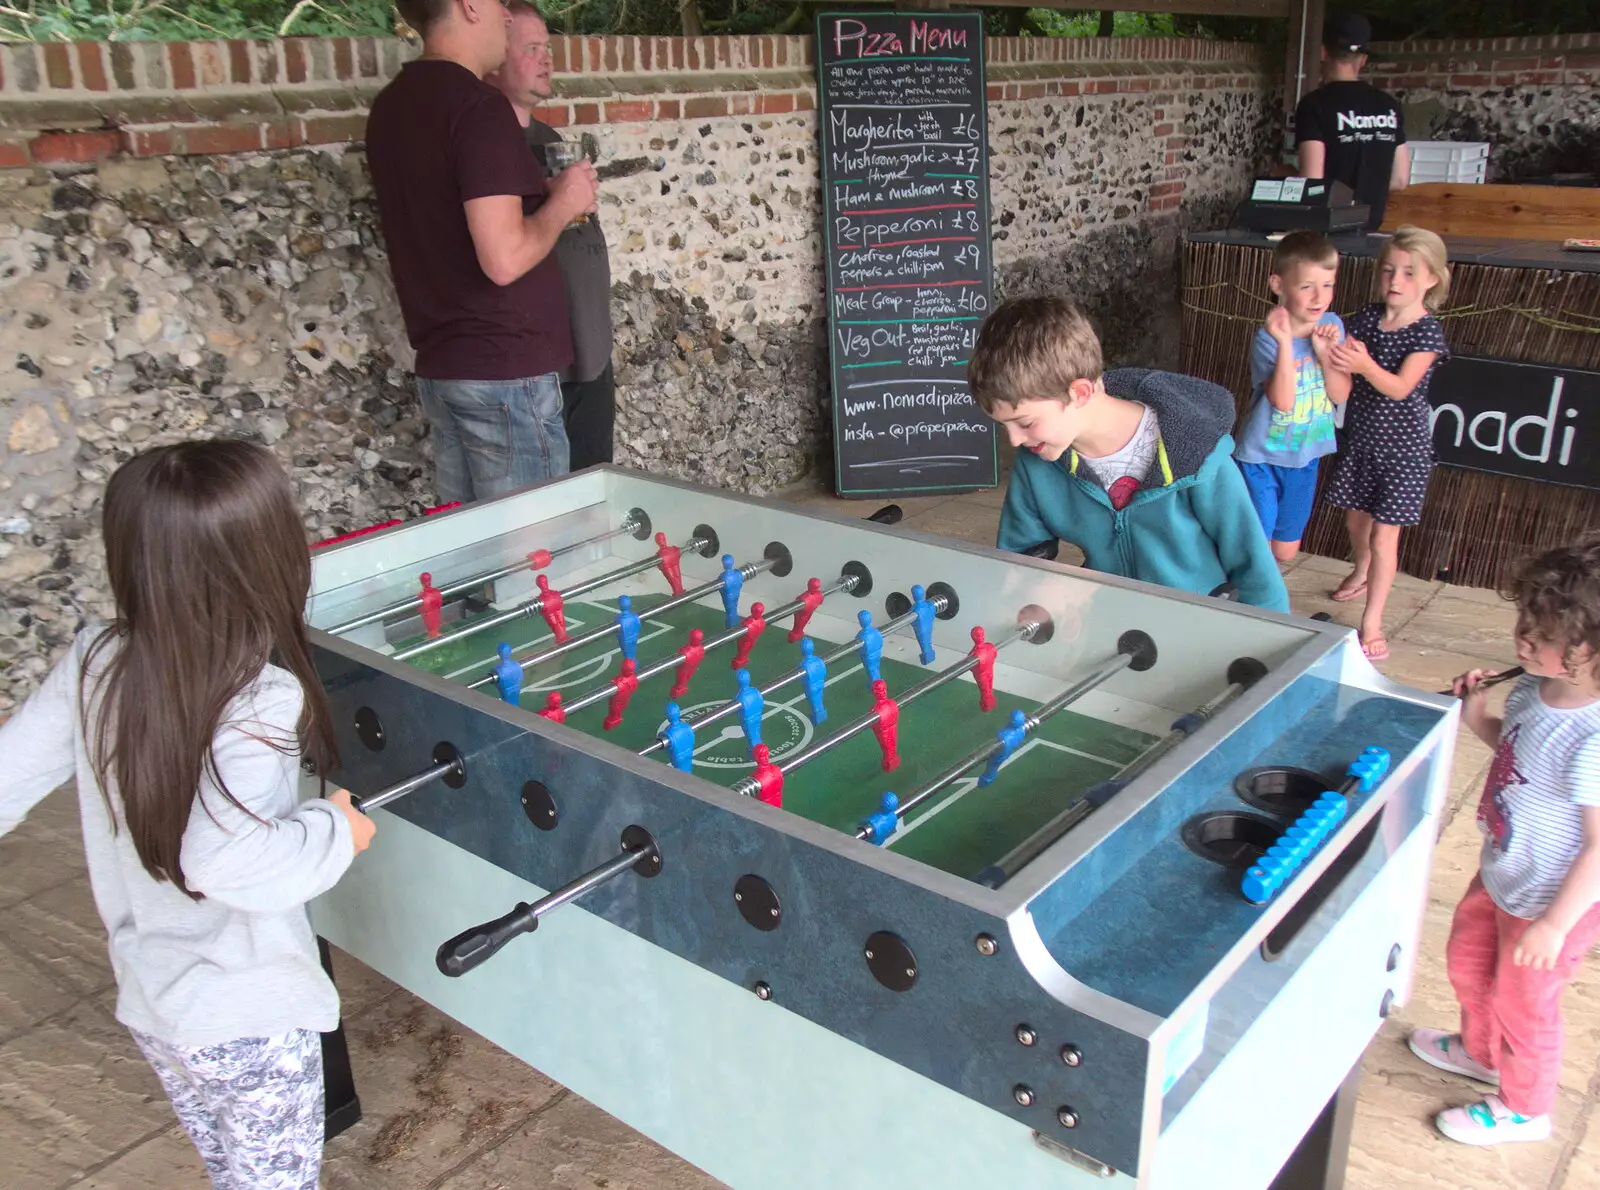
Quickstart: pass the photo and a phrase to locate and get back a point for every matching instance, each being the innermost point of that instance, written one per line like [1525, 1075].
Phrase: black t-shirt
[1360, 126]
[438, 136]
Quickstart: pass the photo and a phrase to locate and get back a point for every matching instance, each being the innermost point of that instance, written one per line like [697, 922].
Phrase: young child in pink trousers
[1533, 910]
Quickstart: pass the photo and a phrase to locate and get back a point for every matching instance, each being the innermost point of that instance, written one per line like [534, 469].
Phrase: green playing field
[959, 831]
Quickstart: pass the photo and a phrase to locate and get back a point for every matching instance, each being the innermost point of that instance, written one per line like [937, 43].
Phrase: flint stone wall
[1535, 99]
[188, 246]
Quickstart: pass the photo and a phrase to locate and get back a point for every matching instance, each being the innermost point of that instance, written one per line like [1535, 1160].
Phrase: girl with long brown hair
[184, 722]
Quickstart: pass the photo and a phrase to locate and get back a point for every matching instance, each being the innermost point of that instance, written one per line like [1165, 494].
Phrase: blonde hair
[1032, 347]
[1427, 247]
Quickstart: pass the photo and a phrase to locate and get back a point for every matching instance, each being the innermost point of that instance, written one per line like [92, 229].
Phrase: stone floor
[446, 1110]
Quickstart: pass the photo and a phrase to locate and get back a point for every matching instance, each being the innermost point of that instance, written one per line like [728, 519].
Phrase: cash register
[1290, 204]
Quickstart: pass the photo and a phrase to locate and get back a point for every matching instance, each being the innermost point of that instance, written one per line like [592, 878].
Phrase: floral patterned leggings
[253, 1107]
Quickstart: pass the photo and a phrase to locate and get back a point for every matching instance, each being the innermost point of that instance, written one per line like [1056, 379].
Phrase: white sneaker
[1491, 1123]
[1444, 1050]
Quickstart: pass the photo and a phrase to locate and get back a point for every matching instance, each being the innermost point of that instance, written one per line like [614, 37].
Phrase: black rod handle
[889, 514]
[475, 946]
[1048, 550]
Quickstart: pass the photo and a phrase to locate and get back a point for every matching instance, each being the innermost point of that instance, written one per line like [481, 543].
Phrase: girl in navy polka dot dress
[1391, 350]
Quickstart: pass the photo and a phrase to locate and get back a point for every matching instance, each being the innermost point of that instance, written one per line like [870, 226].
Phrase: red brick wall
[82, 102]
[1521, 62]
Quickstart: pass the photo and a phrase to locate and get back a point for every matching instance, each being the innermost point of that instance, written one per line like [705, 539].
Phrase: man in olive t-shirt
[1349, 130]
[588, 390]
[470, 227]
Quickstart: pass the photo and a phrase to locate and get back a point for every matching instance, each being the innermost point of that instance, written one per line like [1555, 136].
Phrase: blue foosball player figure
[871, 641]
[816, 678]
[627, 628]
[880, 825]
[680, 739]
[751, 705]
[923, 607]
[1011, 737]
[508, 676]
[732, 584]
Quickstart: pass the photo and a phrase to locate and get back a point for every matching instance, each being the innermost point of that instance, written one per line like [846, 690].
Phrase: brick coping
[52, 69]
[70, 103]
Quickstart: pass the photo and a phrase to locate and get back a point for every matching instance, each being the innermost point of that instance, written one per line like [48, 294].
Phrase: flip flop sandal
[1376, 649]
[1344, 594]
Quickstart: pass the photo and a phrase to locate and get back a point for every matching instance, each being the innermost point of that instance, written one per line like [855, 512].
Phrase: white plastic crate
[1449, 161]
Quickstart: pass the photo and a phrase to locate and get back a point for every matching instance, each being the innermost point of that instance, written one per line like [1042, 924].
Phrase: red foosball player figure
[812, 598]
[887, 728]
[552, 608]
[539, 559]
[626, 684]
[693, 654]
[553, 710]
[432, 606]
[670, 562]
[769, 776]
[754, 625]
[984, 674]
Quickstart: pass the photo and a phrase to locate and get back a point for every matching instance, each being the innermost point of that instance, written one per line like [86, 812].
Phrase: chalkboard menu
[905, 171]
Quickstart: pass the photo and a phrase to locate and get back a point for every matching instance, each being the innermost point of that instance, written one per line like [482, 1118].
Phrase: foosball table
[832, 855]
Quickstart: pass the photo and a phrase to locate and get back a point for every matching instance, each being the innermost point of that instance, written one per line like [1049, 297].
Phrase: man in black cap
[1349, 130]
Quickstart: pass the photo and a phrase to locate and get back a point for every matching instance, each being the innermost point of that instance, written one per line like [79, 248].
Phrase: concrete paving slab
[1465, 626]
[1455, 860]
[433, 1095]
[1426, 663]
[28, 994]
[74, 1093]
[44, 851]
[1582, 1170]
[963, 520]
[1397, 1147]
[1310, 590]
[166, 1162]
[61, 931]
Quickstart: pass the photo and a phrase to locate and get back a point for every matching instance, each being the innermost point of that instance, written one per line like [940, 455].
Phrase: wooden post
[1303, 58]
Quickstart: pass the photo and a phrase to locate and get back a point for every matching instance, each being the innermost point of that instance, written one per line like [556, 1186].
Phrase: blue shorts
[1283, 497]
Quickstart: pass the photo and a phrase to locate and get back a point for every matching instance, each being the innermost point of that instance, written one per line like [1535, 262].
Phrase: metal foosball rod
[532, 606]
[746, 572]
[845, 582]
[1243, 673]
[1135, 650]
[448, 765]
[1026, 630]
[731, 707]
[537, 560]
[476, 945]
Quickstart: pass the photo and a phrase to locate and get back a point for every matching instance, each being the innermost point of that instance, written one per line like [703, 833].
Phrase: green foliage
[170, 20]
[1395, 20]
[178, 20]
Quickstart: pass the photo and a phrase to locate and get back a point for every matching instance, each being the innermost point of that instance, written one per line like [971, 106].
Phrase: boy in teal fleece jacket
[1133, 466]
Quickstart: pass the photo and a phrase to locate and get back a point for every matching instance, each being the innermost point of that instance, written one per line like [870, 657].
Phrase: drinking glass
[557, 156]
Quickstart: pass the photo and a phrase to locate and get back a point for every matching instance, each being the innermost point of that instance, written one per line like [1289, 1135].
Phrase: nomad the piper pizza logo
[1366, 123]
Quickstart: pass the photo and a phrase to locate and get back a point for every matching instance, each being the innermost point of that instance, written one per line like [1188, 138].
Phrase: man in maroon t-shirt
[470, 226]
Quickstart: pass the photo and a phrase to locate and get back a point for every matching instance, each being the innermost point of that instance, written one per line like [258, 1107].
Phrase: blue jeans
[494, 436]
